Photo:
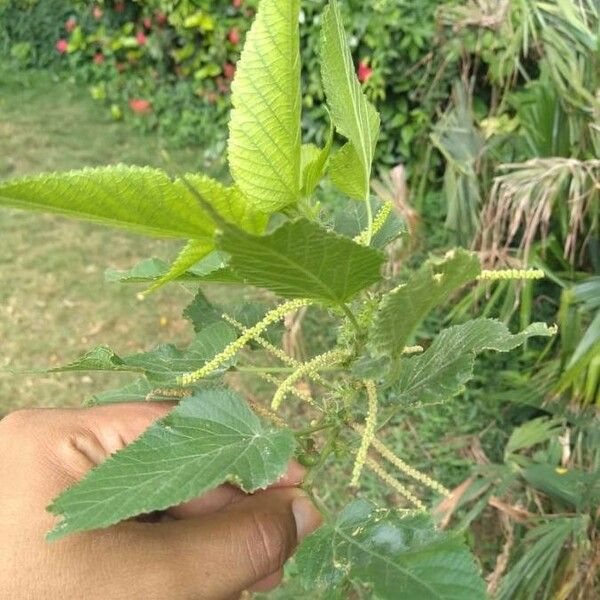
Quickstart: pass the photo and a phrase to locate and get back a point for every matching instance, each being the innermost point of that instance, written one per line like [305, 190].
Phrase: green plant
[544, 496]
[267, 230]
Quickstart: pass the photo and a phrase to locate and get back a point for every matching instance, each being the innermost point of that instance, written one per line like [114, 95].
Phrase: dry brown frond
[525, 197]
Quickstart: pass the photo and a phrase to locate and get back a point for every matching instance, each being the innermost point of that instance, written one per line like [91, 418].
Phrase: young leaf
[139, 199]
[443, 369]
[136, 391]
[313, 161]
[264, 130]
[163, 365]
[352, 115]
[402, 310]
[212, 268]
[302, 260]
[209, 439]
[397, 556]
[192, 253]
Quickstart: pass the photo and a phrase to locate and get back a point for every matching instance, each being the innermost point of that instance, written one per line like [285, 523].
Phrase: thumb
[245, 544]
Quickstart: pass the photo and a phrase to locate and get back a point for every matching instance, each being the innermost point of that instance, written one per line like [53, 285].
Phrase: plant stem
[351, 317]
[327, 450]
[369, 220]
[278, 369]
[311, 430]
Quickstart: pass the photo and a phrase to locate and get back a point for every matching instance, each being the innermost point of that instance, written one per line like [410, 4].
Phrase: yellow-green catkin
[508, 274]
[309, 368]
[294, 390]
[394, 484]
[286, 359]
[368, 432]
[412, 350]
[271, 317]
[378, 223]
[265, 413]
[417, 475]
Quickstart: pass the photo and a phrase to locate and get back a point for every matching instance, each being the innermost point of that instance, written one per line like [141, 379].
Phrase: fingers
[225, 495]
[245, 544]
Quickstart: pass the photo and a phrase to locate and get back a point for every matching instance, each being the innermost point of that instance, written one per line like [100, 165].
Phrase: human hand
[211, 548]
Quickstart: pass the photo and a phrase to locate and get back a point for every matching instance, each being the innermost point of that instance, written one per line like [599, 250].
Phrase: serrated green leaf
[352, 115]
[302, 260]
[201, 313]
[402, 310]
[397, 556]
[443, 369]
[347, 173]
[212, 268]
[135, 391]
[139, 199]
[313, 163]
[166, 363]
[209, 439]
[192, 253]
[351, 220]
[264, 130]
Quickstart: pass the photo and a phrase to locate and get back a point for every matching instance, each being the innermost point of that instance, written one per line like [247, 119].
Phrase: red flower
[119, 7]
[97, 13]
[141, 38]
[234, 36]
[364, 71]
[229, 71]
[139, 106]
[99, 58]
[160, 17]
[70, 24]
[236, 3]
[147, 23]
[62, 46]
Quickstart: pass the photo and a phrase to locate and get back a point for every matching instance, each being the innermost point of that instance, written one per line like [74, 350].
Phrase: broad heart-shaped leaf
[209, 439]
[139, 199]
[303, 260]
[396, 556]
[166, 363]
[403, 309]
[352, 115]
[212, 268]
[443, 369]
[264, 130]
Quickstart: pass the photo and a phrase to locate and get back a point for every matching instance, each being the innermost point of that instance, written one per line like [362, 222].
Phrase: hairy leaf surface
[164, 364]
[139, 199]
[397, 556]
[443, 369]
[212, 268]
[352, 115]
[402, 310]
[209, 439]
[264, 130]
[302, 260]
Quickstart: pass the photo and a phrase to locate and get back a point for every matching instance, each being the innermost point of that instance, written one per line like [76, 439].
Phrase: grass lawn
[54, 303]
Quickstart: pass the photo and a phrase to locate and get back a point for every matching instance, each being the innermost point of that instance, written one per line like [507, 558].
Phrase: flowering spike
[507, 274]
[403, 466]
[395, 484]
[271, 317]
[295, 391]
[286, 359]
[368, 432]
[308, 368]
[378, 223]
[412, 350]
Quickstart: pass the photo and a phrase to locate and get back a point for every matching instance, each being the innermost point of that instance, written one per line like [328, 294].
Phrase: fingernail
[307, 517]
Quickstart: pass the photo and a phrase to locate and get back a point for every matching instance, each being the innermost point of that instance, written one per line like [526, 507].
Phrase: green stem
[279, 369]
[311, 430]
[351, 318]
[369, 220]
[327, 450]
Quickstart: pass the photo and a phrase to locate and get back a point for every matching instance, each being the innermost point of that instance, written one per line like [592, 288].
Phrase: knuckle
[17, 422]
